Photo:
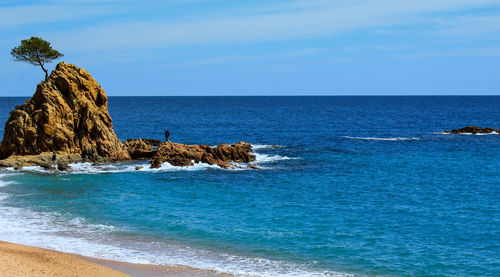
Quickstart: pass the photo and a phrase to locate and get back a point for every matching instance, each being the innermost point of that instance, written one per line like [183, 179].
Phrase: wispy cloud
[239, 58]
[470, 25]
[462, 52]
[11, 17]
[331, 19]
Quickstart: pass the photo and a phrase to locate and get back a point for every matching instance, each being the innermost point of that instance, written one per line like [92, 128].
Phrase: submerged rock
[69, 114]
[252, 166]
[63, 166]
[186, 155]
[18, 166]
[473, 130]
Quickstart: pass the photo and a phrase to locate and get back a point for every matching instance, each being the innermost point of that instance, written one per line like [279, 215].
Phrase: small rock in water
[63, 167]
[252, 166]
[139, 167]
[473, 130]
[18, 166]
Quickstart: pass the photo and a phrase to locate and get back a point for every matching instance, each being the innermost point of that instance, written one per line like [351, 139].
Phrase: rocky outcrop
[473, 130]
[141, 148]
[69, 114]
[44, 160]
[186, 155]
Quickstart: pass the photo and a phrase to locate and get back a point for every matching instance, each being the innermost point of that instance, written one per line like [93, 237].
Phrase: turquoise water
[350, 186]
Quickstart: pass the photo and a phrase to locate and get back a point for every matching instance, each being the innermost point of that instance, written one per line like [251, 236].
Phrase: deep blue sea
[363, 186]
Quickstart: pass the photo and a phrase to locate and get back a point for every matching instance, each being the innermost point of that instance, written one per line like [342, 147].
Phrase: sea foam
[4, 183]
[54, 231]
[383, 139]
[268, 158]
[266, 146]
[144, 166]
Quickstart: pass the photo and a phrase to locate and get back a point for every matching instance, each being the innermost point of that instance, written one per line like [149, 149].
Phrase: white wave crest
[266, 146]
[30, 168]
[4, 183]
[51, 231]
[168, 167]
[89, 168]
[261, 158]
[384, 139]
[144, 166]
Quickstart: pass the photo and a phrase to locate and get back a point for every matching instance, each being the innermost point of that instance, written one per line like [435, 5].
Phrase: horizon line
[282, 95]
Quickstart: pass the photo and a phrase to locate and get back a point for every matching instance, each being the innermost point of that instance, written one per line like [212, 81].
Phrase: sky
[262, 47]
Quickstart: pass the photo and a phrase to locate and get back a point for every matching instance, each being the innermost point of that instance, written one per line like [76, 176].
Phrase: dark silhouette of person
[167, 134]
[54, 157]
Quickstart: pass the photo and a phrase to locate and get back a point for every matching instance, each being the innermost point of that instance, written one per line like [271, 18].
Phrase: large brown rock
[44, 160]
[473, 130]
[141, 148]
[69, 114]
[186, 155]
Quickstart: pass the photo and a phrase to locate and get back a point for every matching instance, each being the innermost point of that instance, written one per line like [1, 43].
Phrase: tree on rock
[35, 51]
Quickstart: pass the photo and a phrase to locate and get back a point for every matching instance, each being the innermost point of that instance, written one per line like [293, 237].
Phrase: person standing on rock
[167, 134]
[54, 157]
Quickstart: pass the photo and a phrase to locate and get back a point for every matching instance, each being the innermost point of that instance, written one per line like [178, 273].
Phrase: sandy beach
[21, 260]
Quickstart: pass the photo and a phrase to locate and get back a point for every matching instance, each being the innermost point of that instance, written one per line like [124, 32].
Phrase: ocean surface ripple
[349, 186]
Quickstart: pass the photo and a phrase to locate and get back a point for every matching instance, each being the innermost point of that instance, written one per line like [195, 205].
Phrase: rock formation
[67, 114]
[44, 160]
[141, 148]
[186, 155]
[473, 130]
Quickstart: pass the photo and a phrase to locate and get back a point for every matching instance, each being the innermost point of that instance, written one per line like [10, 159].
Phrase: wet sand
[21, 260]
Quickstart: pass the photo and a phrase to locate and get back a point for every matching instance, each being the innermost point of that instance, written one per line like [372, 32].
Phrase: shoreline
[51, 224]
[24, 260]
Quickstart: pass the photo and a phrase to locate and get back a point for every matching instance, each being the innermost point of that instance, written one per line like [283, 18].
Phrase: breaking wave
[384, 139]
[266, 146]
[144, 166]
[56, 231]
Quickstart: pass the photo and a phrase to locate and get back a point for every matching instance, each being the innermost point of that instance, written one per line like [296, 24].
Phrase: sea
[348, 186]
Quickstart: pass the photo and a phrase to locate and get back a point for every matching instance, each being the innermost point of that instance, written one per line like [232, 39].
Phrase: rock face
[68, 114]
[44, 160]
[141, 148]
[473, 130]
[186, 155]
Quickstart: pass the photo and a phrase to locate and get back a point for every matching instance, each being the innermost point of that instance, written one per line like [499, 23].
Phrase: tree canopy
[35, 51]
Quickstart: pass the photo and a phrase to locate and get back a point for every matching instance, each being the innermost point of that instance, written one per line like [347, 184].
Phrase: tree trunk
[45, 70]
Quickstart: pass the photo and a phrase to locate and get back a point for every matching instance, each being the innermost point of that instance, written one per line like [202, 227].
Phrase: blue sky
[272, 47]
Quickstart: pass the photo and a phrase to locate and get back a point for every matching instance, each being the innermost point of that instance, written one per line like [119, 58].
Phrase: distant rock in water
[473, 130]
[186, 155]
[67, 114]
